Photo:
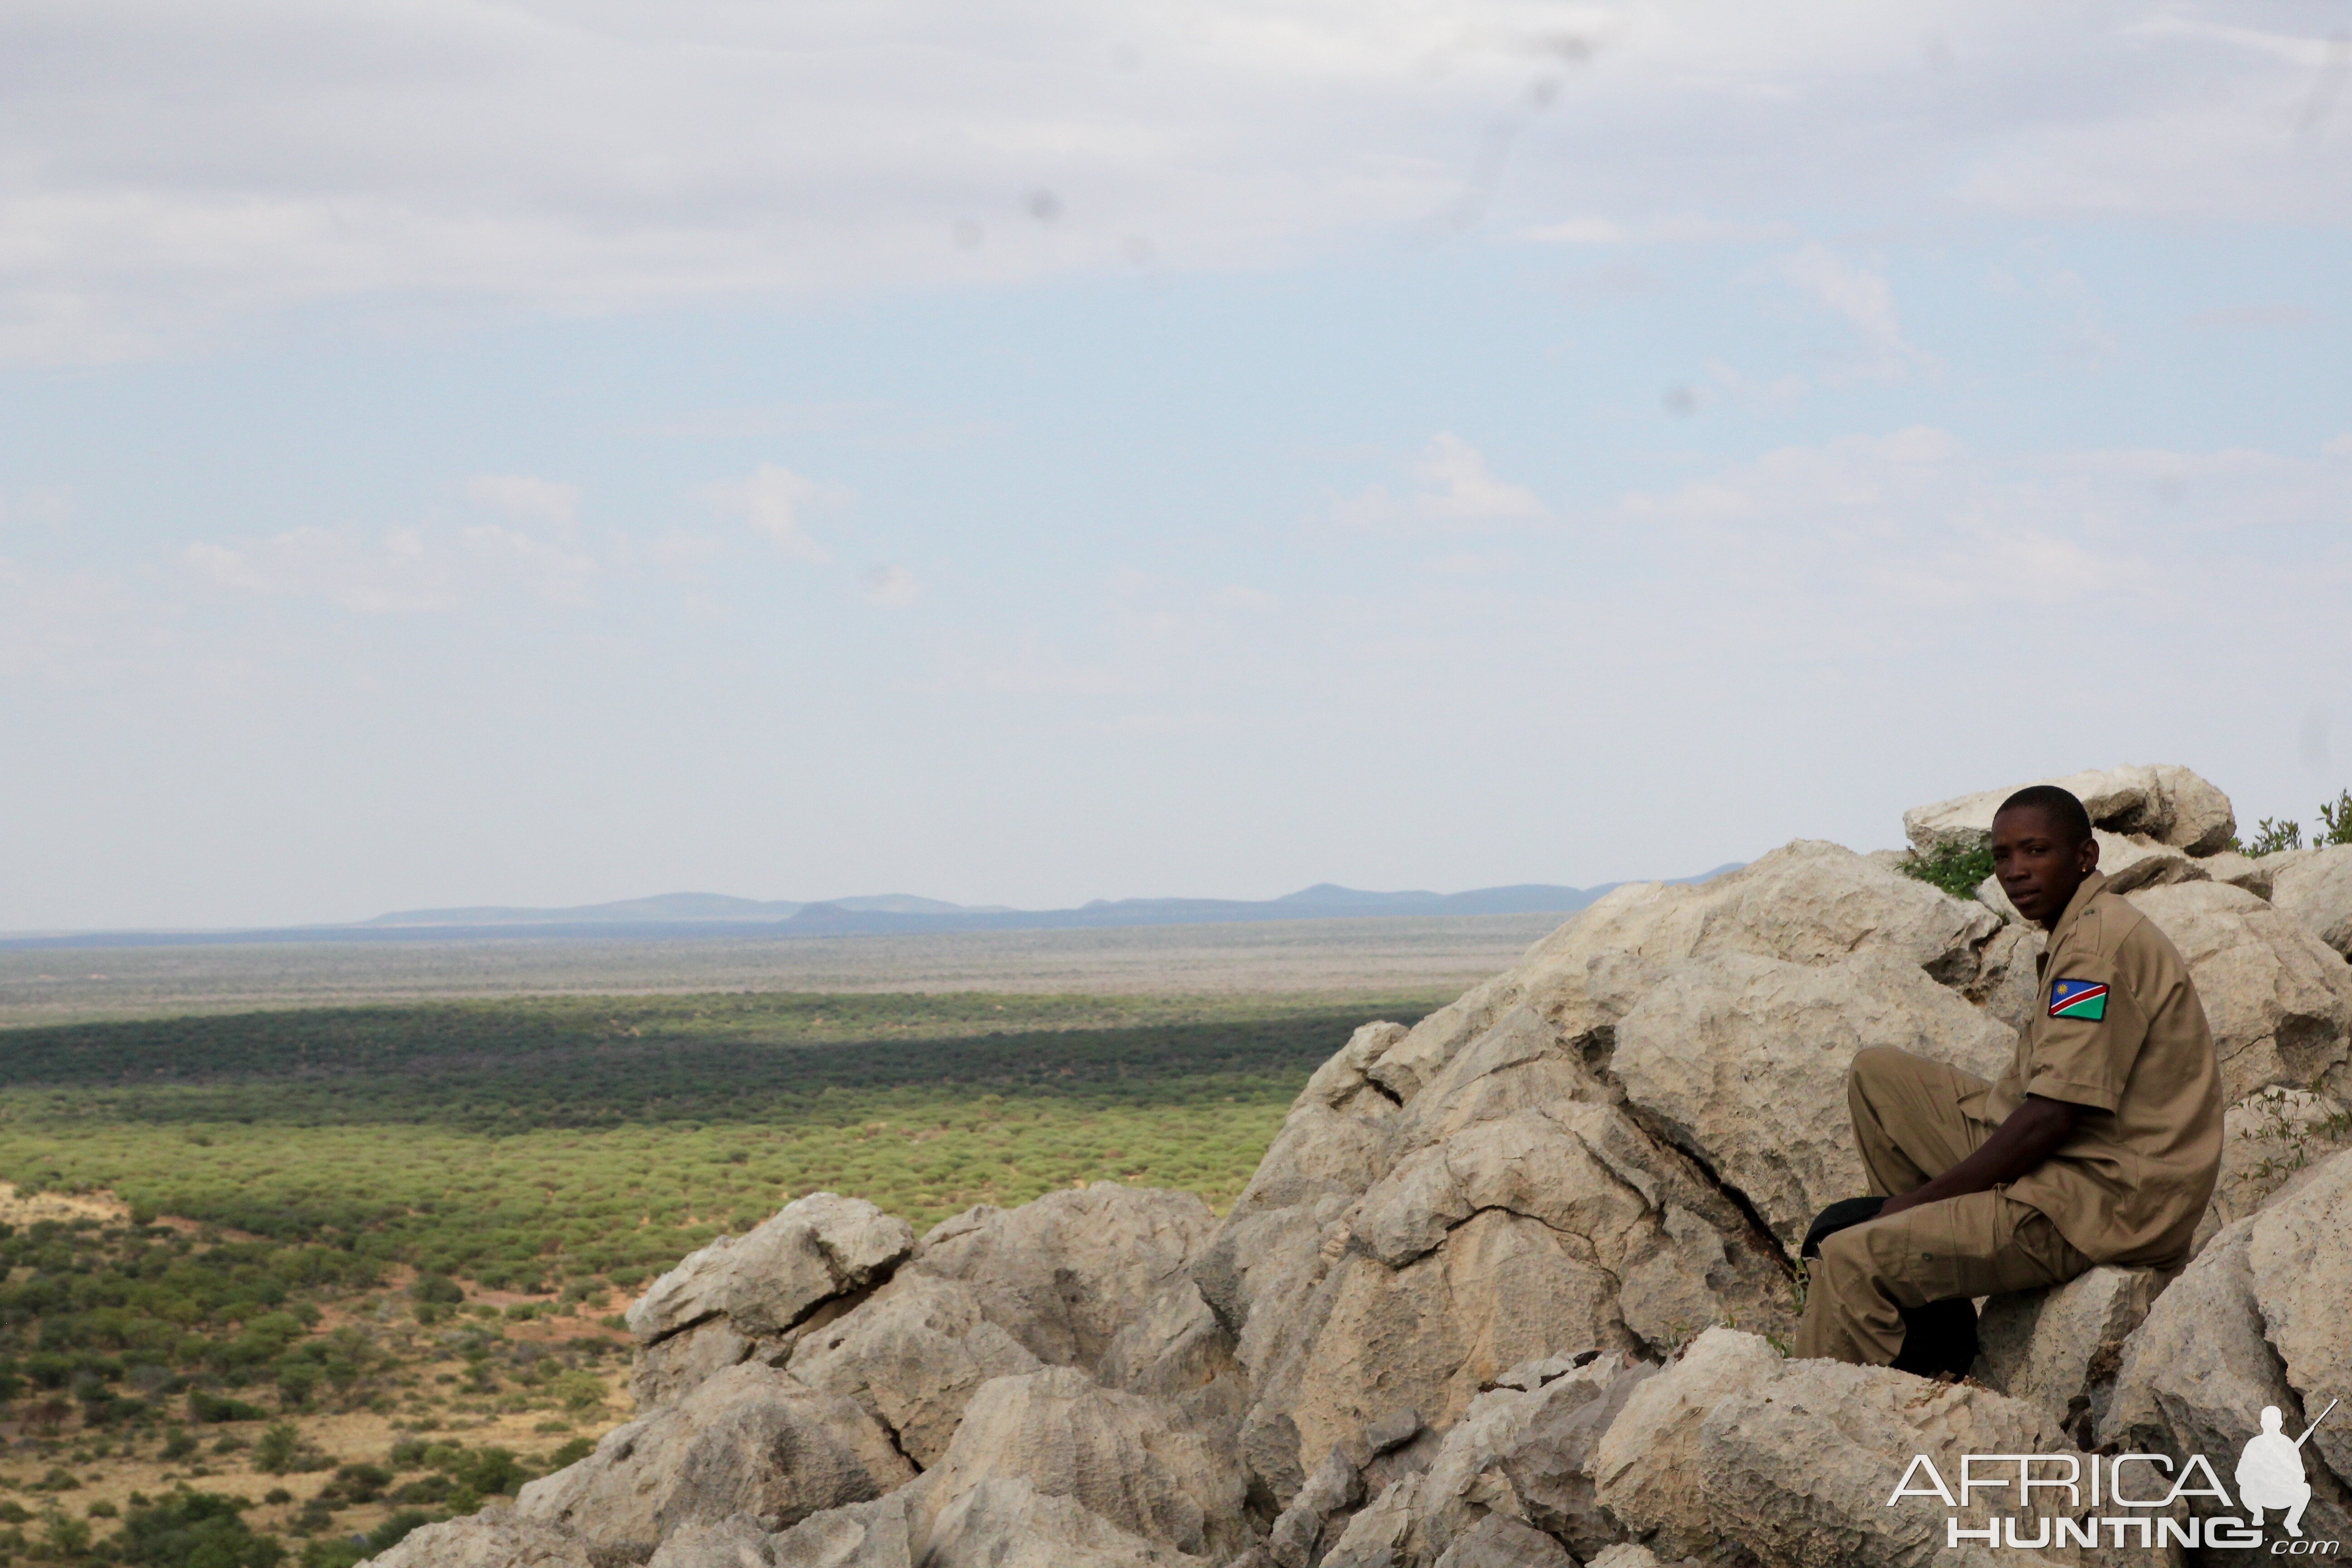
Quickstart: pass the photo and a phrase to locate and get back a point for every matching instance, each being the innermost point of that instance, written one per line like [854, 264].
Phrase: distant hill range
[670, 916]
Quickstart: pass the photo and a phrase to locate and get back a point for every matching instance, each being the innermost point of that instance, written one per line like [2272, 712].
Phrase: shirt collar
[2092, 886]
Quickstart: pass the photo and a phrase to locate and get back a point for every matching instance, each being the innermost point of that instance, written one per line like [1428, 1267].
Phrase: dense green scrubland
[358, 1178]
[527, 1143]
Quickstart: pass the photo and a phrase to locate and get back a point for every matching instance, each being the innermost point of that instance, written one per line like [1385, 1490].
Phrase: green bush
[2271, 836]
[281, 1446]
[211, 1408]
[571, 1453]
[1957, 871]
[437, 1290]
[395, 1529]
[194, 1529]
[68, 1537]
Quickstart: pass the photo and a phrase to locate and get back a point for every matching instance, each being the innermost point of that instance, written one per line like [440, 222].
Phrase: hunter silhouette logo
[2270, 1471]
[2154, 1498]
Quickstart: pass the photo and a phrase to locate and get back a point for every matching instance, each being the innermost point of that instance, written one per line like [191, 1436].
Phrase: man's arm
[2030, 1136]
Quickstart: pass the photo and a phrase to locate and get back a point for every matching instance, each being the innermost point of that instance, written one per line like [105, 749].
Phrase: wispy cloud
[769, 501]
[1455, 489]
[1862, 297]
[521, 160]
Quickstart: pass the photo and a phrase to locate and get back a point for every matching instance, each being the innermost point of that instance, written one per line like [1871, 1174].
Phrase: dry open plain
[1291, 958]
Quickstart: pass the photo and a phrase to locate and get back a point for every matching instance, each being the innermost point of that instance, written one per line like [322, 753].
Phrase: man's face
[2039, 868]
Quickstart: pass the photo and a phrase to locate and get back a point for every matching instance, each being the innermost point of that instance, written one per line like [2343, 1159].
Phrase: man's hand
[2030, 1136]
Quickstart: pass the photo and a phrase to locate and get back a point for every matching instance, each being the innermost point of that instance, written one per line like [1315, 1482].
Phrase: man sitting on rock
[2100, 1145]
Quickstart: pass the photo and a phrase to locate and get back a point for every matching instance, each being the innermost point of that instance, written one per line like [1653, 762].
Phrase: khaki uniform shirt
[2130, 1184]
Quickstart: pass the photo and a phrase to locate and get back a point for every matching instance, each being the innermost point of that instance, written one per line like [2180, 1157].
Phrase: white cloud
[1859, 295]
[1456, 490]
[1913, 538]
[460, 155]
[770, 501]
[891, 587]
[1682, 229]
[520, 495]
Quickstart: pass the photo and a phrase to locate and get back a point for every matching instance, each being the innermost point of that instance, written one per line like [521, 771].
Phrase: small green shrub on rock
[1956, 870]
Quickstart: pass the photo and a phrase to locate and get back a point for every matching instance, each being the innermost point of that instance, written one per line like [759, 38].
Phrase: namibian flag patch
[2084, 999]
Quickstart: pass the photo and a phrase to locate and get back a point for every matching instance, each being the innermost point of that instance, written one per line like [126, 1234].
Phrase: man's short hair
[2064, 811]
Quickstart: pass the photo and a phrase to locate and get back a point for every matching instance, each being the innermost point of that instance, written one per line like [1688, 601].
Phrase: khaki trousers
[1915, 1119]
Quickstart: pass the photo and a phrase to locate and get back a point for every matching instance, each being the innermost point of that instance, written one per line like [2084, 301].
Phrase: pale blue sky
[458, 454]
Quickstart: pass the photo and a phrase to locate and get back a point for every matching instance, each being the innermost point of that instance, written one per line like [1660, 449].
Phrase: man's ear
[2087, 856]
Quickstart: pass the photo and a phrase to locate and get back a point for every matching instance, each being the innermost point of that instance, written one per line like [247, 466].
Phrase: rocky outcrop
[1503, 1292]
[739, 1541]
[2279, 1001]
[2262, 1317]
[1065, 1273]
[1119, 1456]
[2166, 804]
[1447, 1201]
[2060, 1348]
[1723, 1035]
[1737, 1454]
[756, 1294]
[1518, 1463]
[495, 1538]
[995, 1293]
[888, 1532]
[2315, 889]
[1005, 1523]
[913, 1357]
[2271, 1143]
[752, 1440]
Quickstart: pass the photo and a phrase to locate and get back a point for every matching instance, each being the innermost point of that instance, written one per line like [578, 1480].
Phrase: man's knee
[1876, 1065]
[1872, 1072]
[1843, 1272]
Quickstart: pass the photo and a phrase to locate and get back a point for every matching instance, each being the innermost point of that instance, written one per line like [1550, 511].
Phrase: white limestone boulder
[2270, 1142]
[2262, 1317]
[1742, 1061]
[912, 1357]
[2062, 1348]
[1064, 1273]
[2242, 871]
[1521, 1461]
[2297, 1254]
[2168, 803]
[814, 1248]
[1126, 1458]
[751, 1439]
[2139, 861]
[1544, 1230]
[2317, 891]
[739, 1541]
[2009, 982]
[1350, 1268]
[887, 1532]
[494, 1538]
[1496, 1541]
[1004, 1522]
[1736, 1454]
[2279, 1001]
